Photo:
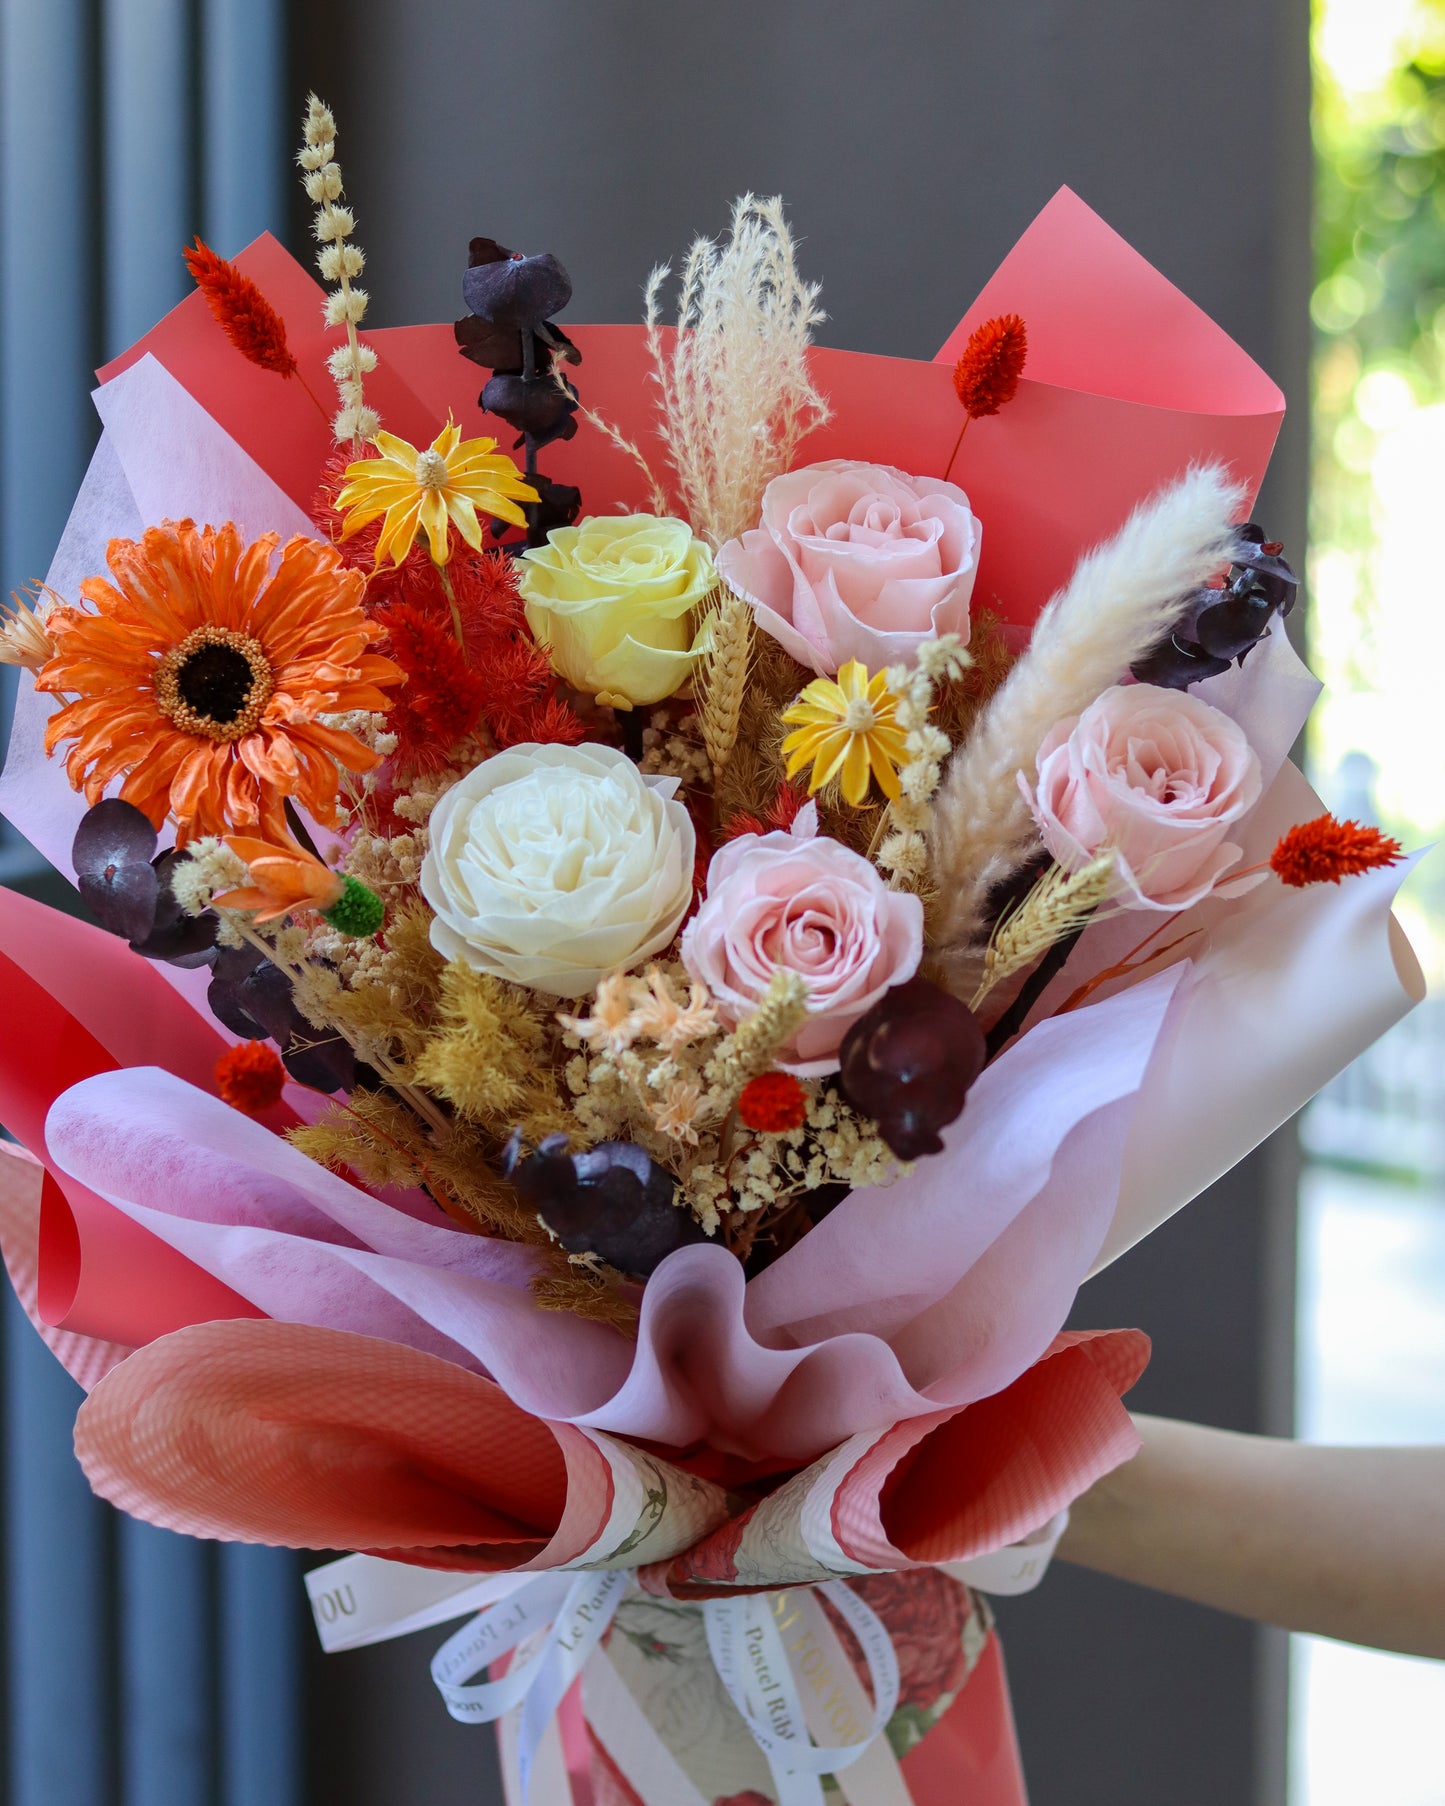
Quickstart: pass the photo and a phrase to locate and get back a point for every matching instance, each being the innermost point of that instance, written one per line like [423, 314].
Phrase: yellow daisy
[848, 728]
[421, 491]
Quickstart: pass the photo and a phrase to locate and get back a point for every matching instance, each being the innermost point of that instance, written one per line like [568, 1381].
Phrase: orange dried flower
[283, 879]
[250, 1077]
[987, 375]
[241, 311]
[203, 678]
[773, 1103]
[1325, 850]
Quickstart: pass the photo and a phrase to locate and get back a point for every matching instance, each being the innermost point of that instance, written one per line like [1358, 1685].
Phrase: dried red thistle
[773, 1103]
[1325, 850]
[781, 813]
[987, 376]
[547, 723]
[441, 701]
[250, 1077]
[241, 311]
[498, 676]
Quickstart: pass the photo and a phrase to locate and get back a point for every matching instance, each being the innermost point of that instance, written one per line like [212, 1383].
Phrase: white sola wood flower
[552, 866]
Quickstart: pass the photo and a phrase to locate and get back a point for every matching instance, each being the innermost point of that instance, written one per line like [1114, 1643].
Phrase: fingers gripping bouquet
[628, 1001]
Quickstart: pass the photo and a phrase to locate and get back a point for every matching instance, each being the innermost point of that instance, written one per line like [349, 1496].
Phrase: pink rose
[810, 905]
[1158, 776]
[856, 561]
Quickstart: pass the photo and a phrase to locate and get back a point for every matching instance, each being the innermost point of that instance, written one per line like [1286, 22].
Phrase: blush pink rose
[856, 561]
[1159, 777]
[802, 903]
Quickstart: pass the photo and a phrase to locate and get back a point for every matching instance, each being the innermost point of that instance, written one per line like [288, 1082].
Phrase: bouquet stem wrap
[606, 1695]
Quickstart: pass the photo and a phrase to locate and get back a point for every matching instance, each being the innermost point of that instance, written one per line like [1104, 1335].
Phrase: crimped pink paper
[280, 1433]
[770, 1370]
[86, 1359]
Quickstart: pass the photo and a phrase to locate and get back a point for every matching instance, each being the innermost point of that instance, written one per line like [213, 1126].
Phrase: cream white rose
[614, 601]
[552, 866]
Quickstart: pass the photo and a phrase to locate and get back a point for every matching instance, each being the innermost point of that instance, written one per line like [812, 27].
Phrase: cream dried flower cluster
[654, 1063]
[339, 262]
[672, 748]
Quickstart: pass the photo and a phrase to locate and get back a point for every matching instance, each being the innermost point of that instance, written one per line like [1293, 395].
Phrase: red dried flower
[442, 699]
[551, 722]
[250, 1076]
[987, 375]
[241, 311]
[1325, 850]
[783, 810]
[773, 1103]
[782, 813]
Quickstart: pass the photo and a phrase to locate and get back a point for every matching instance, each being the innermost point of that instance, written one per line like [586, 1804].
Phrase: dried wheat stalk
[725, 677]
[1058, 905]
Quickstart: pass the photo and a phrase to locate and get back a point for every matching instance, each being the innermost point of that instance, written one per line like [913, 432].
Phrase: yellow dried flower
[422, 491]
[847, 728]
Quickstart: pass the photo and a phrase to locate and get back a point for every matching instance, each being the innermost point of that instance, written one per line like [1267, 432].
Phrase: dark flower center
[215, 684]
[216, 681]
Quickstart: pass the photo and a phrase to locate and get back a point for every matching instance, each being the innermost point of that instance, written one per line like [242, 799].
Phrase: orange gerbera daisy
[201, 677]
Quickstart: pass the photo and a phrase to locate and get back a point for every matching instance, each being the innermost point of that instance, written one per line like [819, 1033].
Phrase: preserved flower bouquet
[629, 998]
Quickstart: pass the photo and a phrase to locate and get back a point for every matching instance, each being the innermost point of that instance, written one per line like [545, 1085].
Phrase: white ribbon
[362, 1599]
[752, 1663]
[578, 1611]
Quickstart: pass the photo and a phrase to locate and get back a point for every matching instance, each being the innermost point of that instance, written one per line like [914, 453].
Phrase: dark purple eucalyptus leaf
[500, 347]
[265, 995]
[514, 290]
[1177, 662]
[111, 854]
[482, 342]
[232, 967]
[324, 1062]
[1234, 627]
[534, 406]
[560, 505]
[909, 1063]
[612, 1200]
[112, 833]
[177, 938]
[123, 900]
[1220, 626]
[556, 345]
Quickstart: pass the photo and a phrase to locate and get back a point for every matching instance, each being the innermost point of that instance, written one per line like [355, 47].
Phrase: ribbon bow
[798, 1695]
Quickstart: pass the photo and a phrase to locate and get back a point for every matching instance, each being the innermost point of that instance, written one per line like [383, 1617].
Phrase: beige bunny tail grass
[1122, 599]
[734, 391]
[725, 679]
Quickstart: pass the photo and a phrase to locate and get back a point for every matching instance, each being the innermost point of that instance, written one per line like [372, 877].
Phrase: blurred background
[1286, 171]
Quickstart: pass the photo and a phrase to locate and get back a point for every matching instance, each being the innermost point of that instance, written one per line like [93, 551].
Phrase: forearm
[1344, 1542]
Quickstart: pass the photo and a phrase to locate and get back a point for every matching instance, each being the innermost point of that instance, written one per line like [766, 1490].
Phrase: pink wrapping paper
[90, 1005]
[824, 1348]
[86, 1359]
[311, 1438]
